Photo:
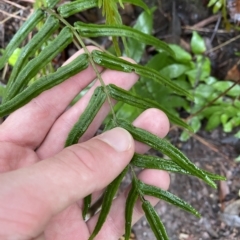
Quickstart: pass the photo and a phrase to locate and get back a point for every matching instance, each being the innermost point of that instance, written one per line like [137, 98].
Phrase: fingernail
[117, 138]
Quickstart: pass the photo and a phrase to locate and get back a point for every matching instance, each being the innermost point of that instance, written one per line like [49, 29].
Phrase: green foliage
[95, 30]
[108, 196]
[14, 57]
[144, 24]
[35, 65]
[192, 73]
[216, 5]
[97, 100]
[154, 221]
[153, 162]
[224, 7]
[43, 84]
[23, 57]
[197, 44]
[170, 62]
[22, 33]
[130, 203]
[142, 103]
[166, 196]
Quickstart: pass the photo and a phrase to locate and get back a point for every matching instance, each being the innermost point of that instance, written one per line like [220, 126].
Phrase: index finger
[29, 125]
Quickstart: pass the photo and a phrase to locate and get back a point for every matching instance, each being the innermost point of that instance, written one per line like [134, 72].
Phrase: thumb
[48, 187]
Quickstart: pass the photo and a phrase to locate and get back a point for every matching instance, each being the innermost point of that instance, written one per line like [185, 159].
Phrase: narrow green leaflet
[46, 55]
[22, 33]
[214, 121]
[86, 205]
[166, 148]
[211, 3]
[154, 162]
[36, 42]
[94, 105]
[181, 55]
[224, 85]
[14, 57]
[52, 3]
[166, 196]
[119, 64]
[109, 194]
[144, 23]
[130, 202]
[198, 45]
[63, 73]
[138, 3]
[154, 221]
[71, 8]
[120, 94]
[95, 30]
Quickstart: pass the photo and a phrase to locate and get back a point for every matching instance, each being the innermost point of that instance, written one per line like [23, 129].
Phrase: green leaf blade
[166, 196]
[22, 33]
[118, 64]
[138, 3]
[153, 162]
[197, 44]
[68, 9]
[109, 194]
[63, 73]
[154, 221]
[222, 86]
[36, 42]
[46, 55]
[94, 105]
[95, 30]
[86, 205]
[120, 94]
[130, 202]
[144, 24]
[180, 54]
[52, 3]
[166, 148]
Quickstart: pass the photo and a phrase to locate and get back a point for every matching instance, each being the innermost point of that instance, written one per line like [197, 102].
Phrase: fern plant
[18, 92]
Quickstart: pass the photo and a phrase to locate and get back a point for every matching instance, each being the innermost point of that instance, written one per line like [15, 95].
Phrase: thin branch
[14, 4]
[209, 145]
[216, 28]
[222, 45]
[207, 21]
[206, 30]
[14, 15]
[78, 37]
[213, 101]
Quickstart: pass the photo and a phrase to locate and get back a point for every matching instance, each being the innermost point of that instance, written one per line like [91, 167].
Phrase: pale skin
[42, 184]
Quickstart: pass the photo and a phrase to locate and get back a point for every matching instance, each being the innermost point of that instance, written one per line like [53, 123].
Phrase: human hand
[42, 184]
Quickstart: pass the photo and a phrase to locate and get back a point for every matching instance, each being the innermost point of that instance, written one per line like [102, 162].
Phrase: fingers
[59, 132]
[69, 223]
[13, 157]
[152, 120]
[31, 196]
[35, 118]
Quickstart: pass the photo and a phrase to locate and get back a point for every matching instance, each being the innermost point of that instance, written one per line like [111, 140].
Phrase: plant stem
[141, 196]
[90, 58]
[213, 101]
